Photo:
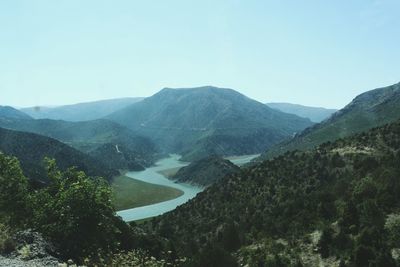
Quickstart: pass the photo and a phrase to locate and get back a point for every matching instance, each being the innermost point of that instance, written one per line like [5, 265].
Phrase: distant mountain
[7, 112]
[31, 149]
[206, 171]
[197, 122]
[368, 110]
[82, 111]
[103, 139]
[313, 113]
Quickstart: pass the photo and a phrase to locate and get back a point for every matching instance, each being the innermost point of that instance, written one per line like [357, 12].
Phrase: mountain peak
[204, 120]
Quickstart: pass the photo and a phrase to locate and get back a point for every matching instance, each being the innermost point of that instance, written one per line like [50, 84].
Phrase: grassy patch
[169, 172]
[130, 193]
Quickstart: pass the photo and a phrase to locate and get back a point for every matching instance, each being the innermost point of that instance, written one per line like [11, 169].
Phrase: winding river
[152, 175]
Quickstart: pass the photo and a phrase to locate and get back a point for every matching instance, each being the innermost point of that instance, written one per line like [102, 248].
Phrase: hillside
[368, 110]
[338, 203]
[31, 149]
[197, 122]
[206, 171]
[7, 112]
[115, 145]
[81, 111]
[315, 114]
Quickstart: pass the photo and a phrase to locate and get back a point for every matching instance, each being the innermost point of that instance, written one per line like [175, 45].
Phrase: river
[152, 175]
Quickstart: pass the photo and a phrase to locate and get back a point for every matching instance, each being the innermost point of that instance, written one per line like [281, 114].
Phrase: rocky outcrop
[30, 249]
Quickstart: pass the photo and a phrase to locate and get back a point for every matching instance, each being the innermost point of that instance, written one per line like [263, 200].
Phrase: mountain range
[197, 122]
[81, 111]
[109, 142]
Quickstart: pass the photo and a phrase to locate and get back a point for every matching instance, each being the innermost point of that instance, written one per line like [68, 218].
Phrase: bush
[6, 242]
[75, 212]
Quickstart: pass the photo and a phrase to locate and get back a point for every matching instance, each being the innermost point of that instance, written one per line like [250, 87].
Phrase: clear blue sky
[320, 53]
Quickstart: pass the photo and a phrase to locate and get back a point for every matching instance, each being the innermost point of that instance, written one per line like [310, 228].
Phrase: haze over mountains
[81, 111]
[368, 110]
[197, 122]
[315, 114]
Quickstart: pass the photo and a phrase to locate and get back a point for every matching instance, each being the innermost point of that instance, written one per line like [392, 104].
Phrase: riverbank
[131, 193]
[157, 175]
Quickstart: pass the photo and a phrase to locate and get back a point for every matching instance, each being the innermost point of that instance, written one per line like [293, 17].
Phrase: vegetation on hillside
[346, 190]
[116, 146]
[198, 122]
[206, 171]
[368, 110]
[75, 213]
[31, 149]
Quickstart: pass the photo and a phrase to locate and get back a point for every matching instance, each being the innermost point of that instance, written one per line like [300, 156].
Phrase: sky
[318, 53]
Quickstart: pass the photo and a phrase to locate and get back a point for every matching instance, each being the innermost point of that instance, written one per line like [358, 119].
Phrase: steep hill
[197, 122]
[368, 110]
[31, 149]
[81, 111]
[338, 203]
[315, 114]
[103, 139]
[7, 112]
[206, 171]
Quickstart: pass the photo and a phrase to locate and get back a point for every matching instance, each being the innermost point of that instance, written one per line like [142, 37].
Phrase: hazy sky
[320, 53]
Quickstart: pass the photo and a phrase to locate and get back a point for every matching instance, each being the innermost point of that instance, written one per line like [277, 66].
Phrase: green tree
[13, 191]
[75, 212]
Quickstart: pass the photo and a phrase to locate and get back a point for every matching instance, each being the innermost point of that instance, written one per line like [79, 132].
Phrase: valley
[199, 133]
[187, 173]
[154, 191]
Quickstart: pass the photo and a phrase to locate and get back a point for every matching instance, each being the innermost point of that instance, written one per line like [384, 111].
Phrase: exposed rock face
[31, 249]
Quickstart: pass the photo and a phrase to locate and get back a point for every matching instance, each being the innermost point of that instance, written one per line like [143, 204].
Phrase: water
[241, 160]
[151, 175]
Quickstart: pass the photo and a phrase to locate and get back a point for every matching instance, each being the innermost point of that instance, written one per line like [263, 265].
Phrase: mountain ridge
[84, 111]
[369, 109]
[31, 148]
[93, 137]
[196, 121]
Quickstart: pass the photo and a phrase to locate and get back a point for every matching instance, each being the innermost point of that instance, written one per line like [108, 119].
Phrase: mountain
[197, 122]
[31, 149]
[113, 144]
[82, 111]
[7, 112]
[315, 114]
[336, 204]
[206, 171]
[368, 110]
